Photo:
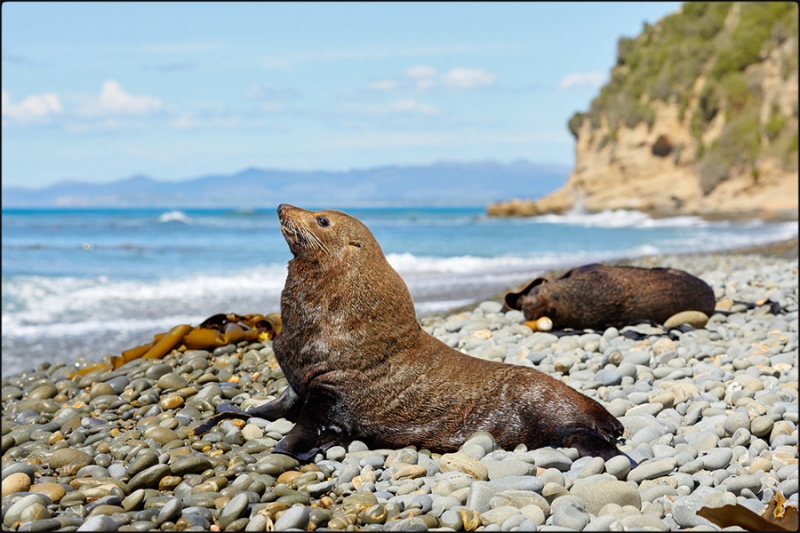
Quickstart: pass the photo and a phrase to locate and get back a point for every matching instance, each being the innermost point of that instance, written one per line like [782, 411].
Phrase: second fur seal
[359, 365]
[597, 296]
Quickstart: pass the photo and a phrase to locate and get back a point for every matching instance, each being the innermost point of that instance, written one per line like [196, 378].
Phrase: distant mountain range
[438, 184]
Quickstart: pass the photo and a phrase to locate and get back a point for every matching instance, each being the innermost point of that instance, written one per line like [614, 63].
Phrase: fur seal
[598, 296]
[359, 365]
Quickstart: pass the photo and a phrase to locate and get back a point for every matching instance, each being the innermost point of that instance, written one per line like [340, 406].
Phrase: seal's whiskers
[303, 235]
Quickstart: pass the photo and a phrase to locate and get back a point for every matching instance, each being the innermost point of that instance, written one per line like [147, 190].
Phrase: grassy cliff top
[716, 43]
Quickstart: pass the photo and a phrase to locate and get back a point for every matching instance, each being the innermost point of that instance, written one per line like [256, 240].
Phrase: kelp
[215, 331]
[775, 517]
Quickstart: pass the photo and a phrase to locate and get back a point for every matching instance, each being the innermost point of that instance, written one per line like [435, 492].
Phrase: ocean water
[84, 283]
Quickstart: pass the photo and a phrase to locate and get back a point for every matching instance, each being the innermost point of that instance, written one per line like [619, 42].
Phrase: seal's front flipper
[288, 405]
[310, 435]
[302, 441]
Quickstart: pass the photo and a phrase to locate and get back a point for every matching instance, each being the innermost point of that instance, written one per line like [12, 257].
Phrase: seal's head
[539, 302]
[535, 300]
[326, 236]
[339, 276]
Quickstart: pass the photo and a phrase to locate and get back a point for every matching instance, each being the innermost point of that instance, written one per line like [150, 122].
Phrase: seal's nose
[281, 207]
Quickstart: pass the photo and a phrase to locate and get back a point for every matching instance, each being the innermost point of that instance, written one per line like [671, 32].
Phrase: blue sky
[96, 92]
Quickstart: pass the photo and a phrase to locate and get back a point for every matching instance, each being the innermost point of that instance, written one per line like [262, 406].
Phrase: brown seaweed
[215, 331]
[774, 517]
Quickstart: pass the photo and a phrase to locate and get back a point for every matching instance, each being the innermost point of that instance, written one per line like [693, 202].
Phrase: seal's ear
[511, 298]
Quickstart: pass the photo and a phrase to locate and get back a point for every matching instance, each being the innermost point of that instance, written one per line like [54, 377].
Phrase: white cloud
[273, 107]
[423, 77]
[33, 109]
[408, 106]
[411, 105]
[180, 48]
[384, 85]
[189, 120]
[184, 122]
[465, 78]
[113, 100]
[583, 79]
[269, 92]
[390, 140]
[420, 71]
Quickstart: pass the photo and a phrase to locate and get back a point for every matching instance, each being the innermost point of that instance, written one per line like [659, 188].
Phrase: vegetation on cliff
[698, 59]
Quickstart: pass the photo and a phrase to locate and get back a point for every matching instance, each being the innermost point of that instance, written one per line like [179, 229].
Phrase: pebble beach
[710, 416]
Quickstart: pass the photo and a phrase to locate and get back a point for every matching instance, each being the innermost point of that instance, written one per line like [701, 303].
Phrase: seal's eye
[324, 222]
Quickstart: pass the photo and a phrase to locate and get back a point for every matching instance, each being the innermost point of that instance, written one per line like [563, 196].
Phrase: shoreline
[461, 298]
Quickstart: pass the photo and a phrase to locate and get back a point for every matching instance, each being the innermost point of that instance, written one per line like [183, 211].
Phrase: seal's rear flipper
[592, 443]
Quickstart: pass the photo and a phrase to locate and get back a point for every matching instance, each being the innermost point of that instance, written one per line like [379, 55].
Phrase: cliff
[700, 116]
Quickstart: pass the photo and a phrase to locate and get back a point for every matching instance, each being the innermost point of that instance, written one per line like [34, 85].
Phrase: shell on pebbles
[540, 324]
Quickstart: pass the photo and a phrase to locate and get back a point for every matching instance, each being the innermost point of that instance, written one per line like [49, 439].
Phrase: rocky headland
[699, 117]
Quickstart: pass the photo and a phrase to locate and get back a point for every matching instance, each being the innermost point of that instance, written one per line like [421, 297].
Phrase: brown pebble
[17, 482]
[310, 467]
[288, 476]
[206, 486]
[169, 482]
[271, 510]
[160, 434]
[471, 519]
[411, 472]
[695, 319]
[34, 512]
[326, 502]
[107, 510]
[43, 392]
[724, 304]
[69, 460]
[54, 491]
[71, 424]
[55, 437]
[101, 389]
[221, 502]
[171, 402]
[463, 463]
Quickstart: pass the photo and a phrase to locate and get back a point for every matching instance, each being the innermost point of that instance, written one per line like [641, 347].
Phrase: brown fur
[598, 296]
[359, 366]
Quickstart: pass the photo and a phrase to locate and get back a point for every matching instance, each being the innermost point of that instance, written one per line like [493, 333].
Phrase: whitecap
[174, 216]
